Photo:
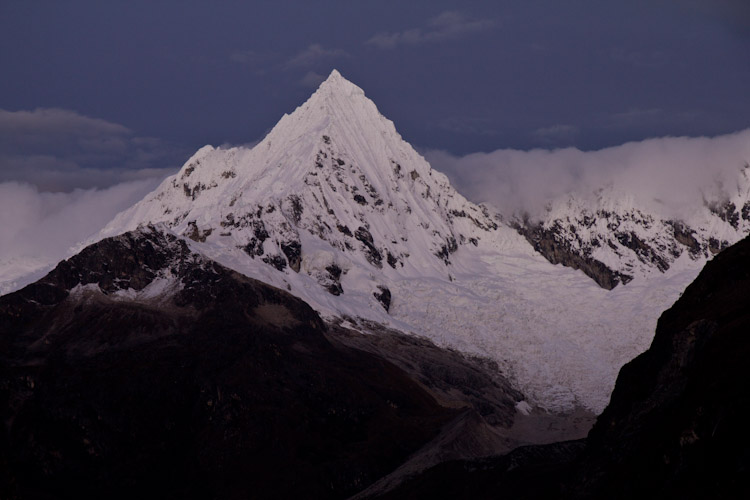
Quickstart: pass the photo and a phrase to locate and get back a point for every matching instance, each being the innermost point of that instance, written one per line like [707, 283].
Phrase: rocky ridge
[614, 239]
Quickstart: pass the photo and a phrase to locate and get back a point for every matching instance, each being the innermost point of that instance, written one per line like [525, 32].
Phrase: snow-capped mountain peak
[336, 207]
[334, 172]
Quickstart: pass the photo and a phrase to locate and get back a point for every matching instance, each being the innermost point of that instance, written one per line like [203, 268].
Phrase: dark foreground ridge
[138, 369]
[676, 426]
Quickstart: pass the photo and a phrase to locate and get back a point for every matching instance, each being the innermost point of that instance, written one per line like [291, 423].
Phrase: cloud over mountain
[673, 172]
[39, 227]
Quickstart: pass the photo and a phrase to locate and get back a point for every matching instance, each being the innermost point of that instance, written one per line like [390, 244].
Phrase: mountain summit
[334, 171]
[334, 206]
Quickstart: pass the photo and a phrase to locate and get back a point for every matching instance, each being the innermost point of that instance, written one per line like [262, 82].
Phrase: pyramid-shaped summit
[334, 206]
[332, 192]
[339, 111]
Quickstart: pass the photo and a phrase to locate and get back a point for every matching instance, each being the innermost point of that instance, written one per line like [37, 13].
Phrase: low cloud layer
[63, 176]
[59, 150]
[674, 173]
[39, 227]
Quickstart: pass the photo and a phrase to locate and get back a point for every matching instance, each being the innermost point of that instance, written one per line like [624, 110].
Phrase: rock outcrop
[613, 238]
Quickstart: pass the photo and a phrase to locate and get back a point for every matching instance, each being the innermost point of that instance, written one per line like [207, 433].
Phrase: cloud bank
[674, 173]
[62, 177]
[40, 227]
[32, 219]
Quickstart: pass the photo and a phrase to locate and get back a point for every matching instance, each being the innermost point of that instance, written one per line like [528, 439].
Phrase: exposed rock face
[139, 368]
[384, 297]
[686, 236]
[556, 249]
[614, 239]
[196, 234]
[373, 254]
[293, 253]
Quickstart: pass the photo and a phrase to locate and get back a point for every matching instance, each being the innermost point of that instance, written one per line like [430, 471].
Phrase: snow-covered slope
[332, 191]
[614, 237]
[336, 207]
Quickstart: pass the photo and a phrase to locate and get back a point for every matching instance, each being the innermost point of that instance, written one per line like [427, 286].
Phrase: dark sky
[91, 86]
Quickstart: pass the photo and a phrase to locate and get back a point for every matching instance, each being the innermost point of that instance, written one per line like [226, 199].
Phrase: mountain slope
[676, 424]
[335, 169]
[615, 238]
[139, 367]
[337, 208]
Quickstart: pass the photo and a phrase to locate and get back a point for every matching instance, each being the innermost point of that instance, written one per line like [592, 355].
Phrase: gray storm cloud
[672, 173]
[60, 150]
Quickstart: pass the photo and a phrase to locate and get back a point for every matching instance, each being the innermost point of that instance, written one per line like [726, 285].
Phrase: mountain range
[330, 268]
[334, 206]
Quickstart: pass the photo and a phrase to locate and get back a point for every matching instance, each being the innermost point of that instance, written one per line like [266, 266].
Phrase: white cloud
[677, 171]
[40, 227]
[313, 55]
[312, 79]
[51, 162]
[448, 25]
